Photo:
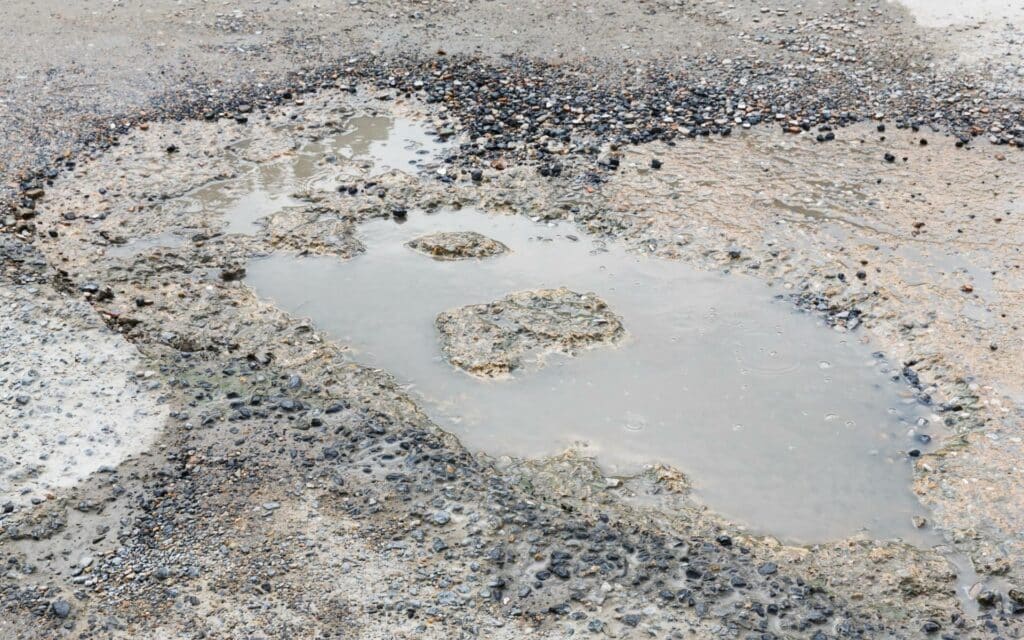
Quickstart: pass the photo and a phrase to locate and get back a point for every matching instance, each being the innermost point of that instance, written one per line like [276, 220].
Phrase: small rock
[988, 598]
[229, 274]
[61, 608]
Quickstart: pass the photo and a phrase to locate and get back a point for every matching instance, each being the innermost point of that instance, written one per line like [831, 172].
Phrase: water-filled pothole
[796, 430]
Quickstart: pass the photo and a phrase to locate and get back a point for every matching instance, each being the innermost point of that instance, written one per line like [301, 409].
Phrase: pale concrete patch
[72, 396]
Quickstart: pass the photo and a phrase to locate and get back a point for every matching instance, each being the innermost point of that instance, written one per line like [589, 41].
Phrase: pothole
[796, 430]
[778, 420]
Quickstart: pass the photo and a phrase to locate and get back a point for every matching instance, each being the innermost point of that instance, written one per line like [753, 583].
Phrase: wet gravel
[529, 110]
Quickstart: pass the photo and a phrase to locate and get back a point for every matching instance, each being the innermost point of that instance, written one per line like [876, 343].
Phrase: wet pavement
[285, 449]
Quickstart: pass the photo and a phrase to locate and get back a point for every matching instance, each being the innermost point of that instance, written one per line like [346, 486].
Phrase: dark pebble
[988, 598]
[61, 608]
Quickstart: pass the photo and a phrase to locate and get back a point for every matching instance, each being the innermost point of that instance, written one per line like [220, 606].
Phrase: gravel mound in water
[457, 245]
[493, 339]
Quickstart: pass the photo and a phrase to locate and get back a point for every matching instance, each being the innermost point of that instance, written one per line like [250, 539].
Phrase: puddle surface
[784, 425]
[387, 142]
[166, 240]
[383, 143]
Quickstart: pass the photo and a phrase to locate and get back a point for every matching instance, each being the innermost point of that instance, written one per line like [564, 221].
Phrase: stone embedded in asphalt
[767, 569]
[61, 608]
[493, 339]
[232, 273]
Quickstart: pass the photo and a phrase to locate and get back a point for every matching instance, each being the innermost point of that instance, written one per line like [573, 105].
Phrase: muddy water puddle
[380, 143]
[781, 423]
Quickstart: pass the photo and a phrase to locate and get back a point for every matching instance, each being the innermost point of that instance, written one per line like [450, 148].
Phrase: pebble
[61, 608]
[768, 568]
